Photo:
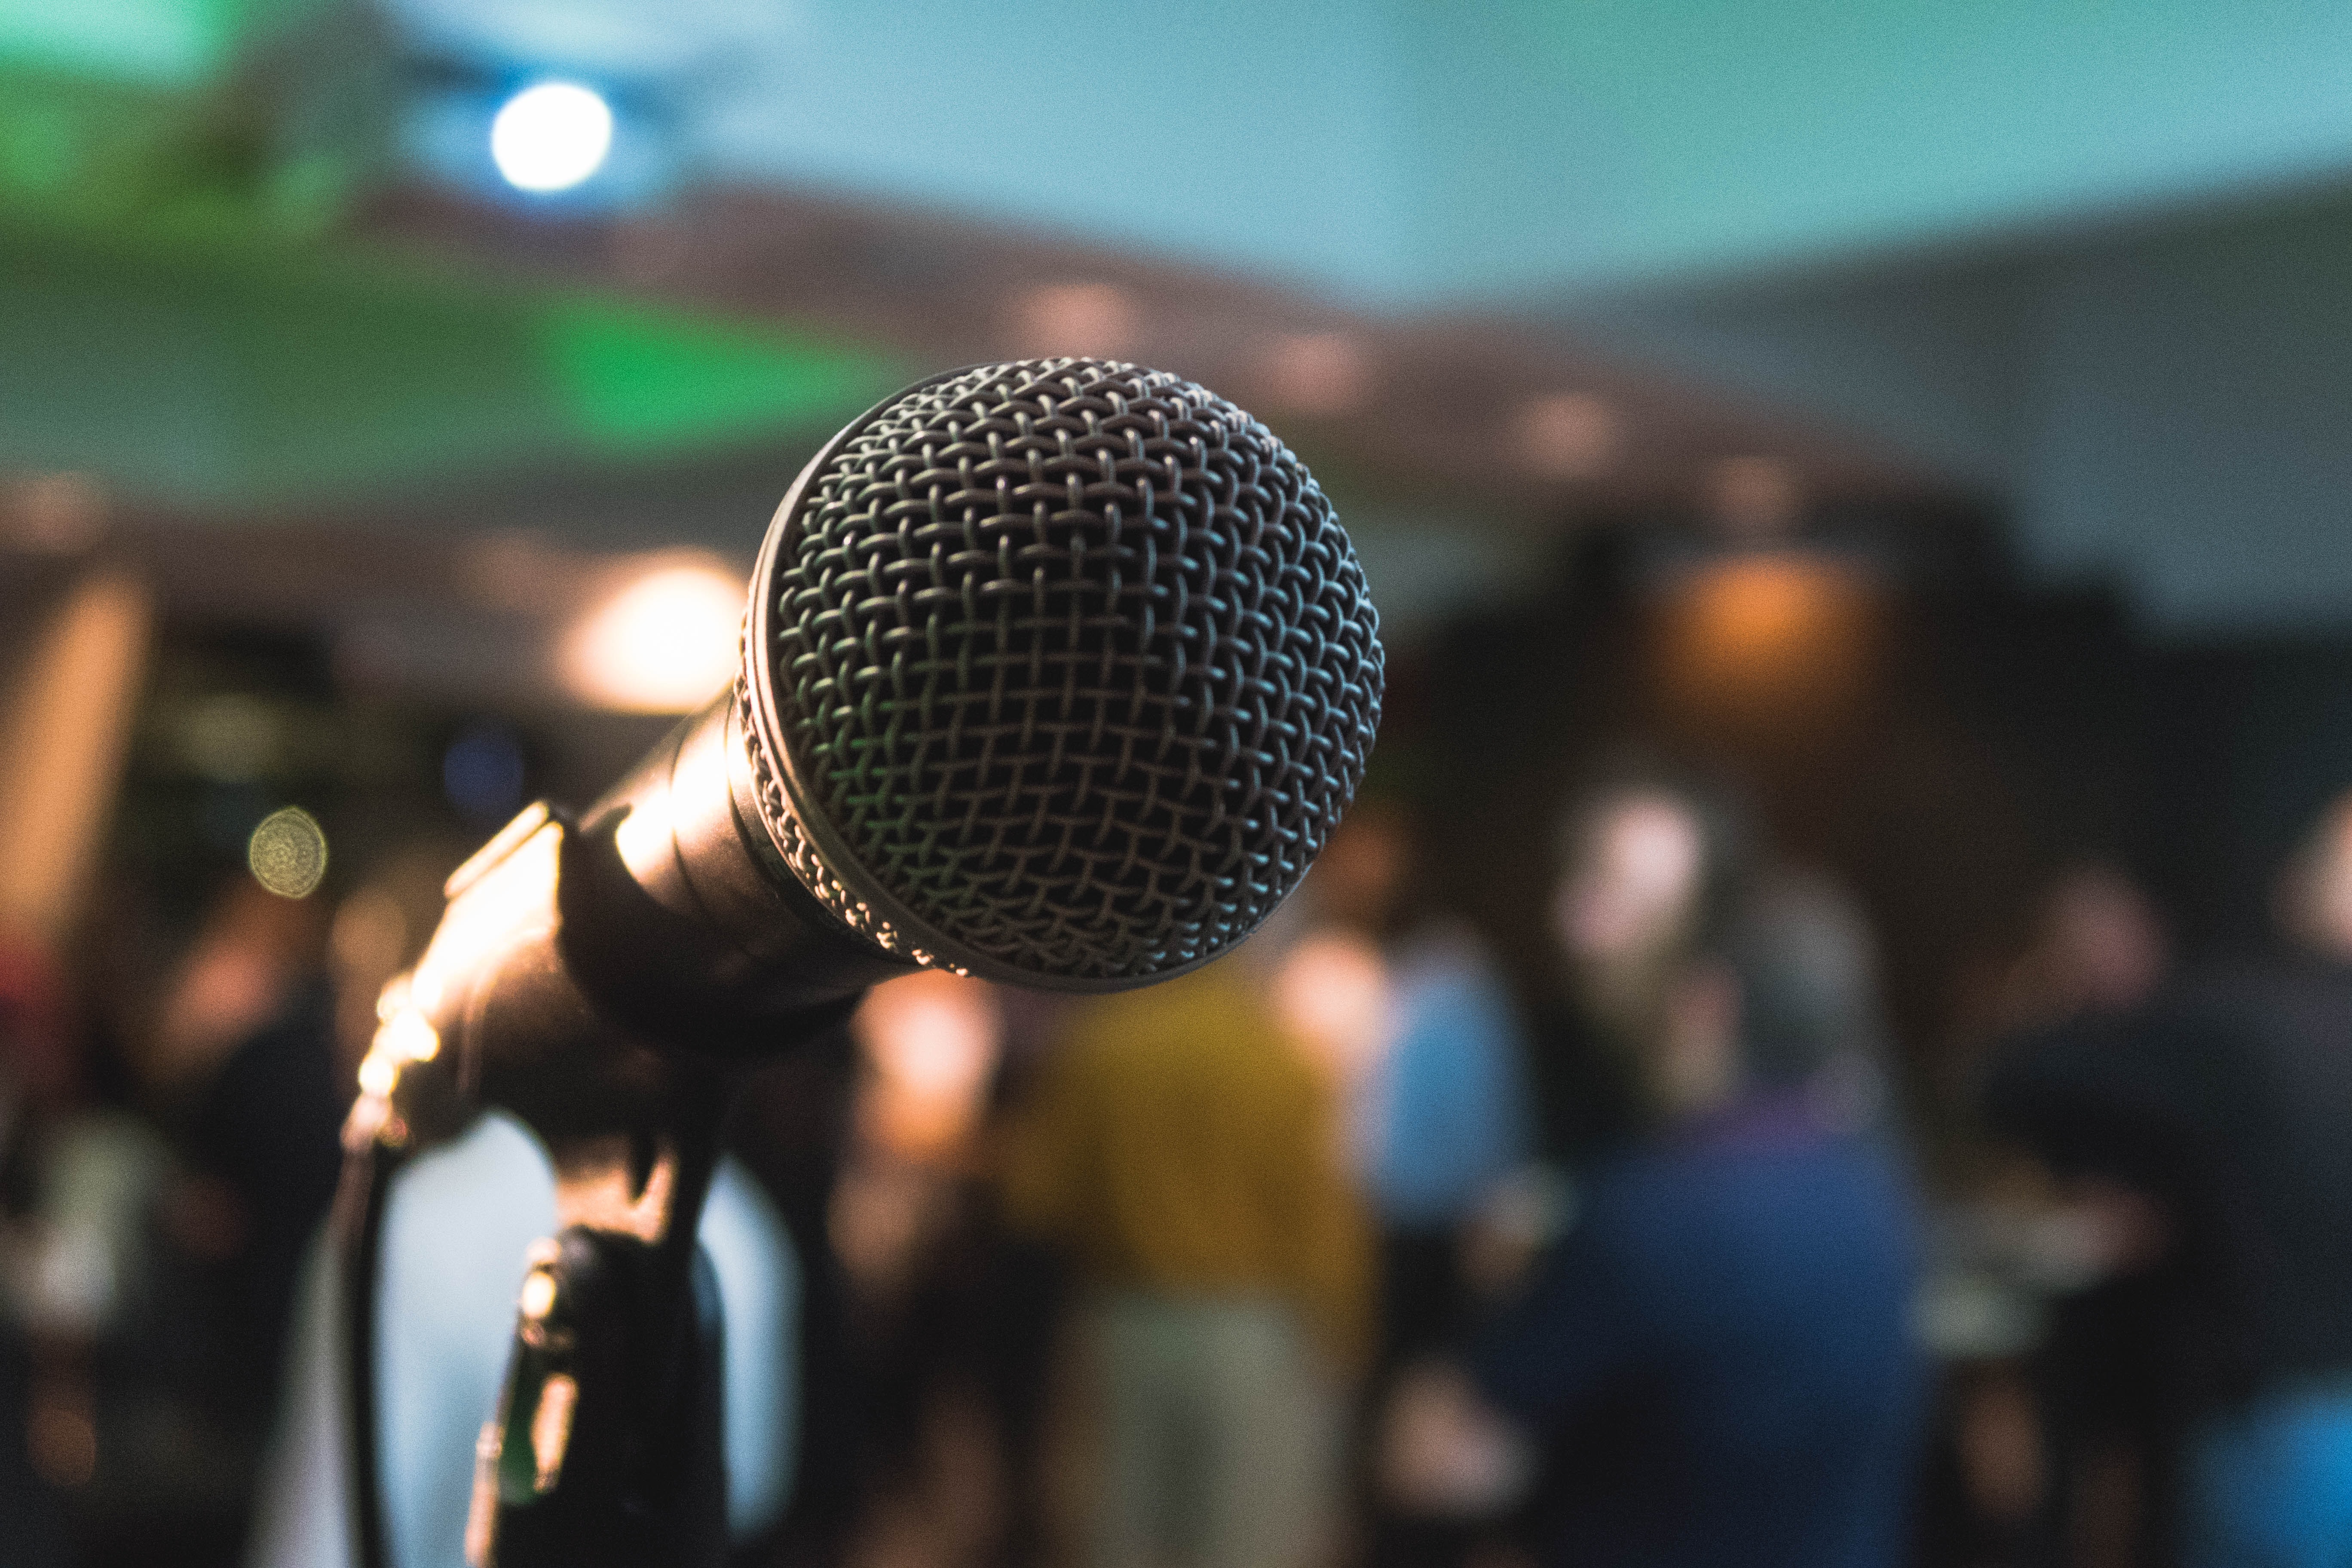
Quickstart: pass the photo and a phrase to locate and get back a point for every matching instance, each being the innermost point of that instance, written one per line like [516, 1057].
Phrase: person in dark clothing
[238, 1066]
[2217, 1118]
[1652, 857]
[1716, 1356]
[266, 1128]
[1733, 1305]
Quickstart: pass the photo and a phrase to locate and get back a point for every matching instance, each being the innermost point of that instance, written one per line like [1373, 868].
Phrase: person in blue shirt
[1715, 1360]
[1441, 1111]
[1449, 1113]
[1420, 1030]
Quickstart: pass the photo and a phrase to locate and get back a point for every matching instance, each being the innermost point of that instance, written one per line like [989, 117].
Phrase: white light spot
[410, 1036]
[664, 644]
[550, 137]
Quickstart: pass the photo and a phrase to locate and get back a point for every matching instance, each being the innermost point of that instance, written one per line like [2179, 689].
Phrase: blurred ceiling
[1488, 265]
[1409, 154]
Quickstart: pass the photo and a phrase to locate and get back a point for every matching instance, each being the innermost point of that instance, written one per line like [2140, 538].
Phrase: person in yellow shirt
[1183, 1150]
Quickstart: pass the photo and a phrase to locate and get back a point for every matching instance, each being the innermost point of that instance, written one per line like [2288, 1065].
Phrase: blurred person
[2099, 947]
[1716, 1359]
[1649, 858]
[82, 1276]
[164, 1235]
[243, 1061]
[2206, 1132]
[1332, 993]
[941, 1450]
[1425, 1039]
[1182, 1148]
[1649, 855]
[2076, 1439]
[2094, 946]
[1444, 1112]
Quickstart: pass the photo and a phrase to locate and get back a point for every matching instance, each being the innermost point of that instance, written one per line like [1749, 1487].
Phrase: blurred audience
[2099, 948]
[1442, 1105]
[1714, 1362]
[942, 1476]
[1615, 1263]
[2208, 1128]
[1436, 1074]
[1184, 1149]
[245, 1055]
[156, 1220]
[2063, 1430]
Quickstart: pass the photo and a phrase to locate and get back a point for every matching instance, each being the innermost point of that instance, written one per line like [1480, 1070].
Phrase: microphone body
[581, 959]
[1058, 673]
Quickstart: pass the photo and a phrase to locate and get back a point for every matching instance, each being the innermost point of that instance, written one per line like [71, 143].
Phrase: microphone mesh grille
[1076, 659]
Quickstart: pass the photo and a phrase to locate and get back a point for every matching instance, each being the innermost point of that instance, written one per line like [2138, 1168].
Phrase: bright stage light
[552, 137]
[664, 644]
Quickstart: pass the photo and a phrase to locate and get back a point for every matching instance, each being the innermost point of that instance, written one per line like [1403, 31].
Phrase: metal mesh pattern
[1076, 659]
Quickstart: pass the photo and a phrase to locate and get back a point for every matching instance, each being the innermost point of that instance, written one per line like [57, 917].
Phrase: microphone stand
[606, 1446]
[608, 981]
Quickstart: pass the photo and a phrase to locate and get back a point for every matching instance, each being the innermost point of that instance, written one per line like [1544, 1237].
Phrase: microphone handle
[574, 958]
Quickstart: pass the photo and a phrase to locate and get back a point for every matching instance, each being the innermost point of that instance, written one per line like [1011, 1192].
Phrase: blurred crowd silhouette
[1614, 1153]
[1353, 1248]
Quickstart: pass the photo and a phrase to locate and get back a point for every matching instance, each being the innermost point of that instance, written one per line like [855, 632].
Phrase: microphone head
[1058, 672]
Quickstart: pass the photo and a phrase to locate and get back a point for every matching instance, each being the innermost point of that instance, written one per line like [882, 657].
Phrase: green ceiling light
[634, 380]
[196, 373]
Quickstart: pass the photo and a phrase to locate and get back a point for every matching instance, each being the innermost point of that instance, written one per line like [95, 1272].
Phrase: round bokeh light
[550, 137]
[287, 853]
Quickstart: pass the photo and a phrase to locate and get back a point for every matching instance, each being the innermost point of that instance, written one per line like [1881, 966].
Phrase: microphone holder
[589, 976]
[606, 1449]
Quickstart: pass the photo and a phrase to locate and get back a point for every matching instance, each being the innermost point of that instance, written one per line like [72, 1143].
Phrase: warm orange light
[63, 730]
[1332, 993]
[1772, 636]
[666, 643]
[1759, 609]
[932, 1040]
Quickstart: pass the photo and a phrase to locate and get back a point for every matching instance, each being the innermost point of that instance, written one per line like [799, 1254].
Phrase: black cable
[359, 1232]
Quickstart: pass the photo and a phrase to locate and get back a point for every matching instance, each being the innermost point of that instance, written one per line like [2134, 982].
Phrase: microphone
[1054, 672]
